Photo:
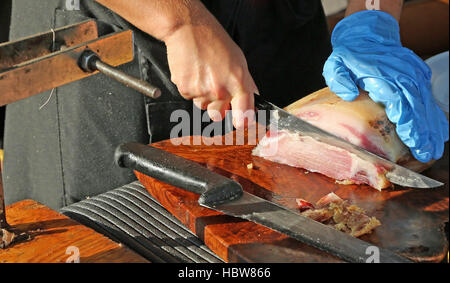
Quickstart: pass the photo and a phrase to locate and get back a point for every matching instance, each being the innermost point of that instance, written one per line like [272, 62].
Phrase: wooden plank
[60, 68]
[55, 238]
[412, 220]
[30, 48]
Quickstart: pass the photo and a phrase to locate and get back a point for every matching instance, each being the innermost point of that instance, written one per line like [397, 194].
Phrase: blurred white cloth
[334, 6]
[440, 80]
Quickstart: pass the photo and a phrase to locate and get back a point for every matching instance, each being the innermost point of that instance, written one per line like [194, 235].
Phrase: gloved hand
[367, 53]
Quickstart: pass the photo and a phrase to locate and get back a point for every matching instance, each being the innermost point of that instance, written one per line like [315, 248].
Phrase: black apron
[63, 152]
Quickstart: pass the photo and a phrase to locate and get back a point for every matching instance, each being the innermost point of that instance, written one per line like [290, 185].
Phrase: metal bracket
[40, 63]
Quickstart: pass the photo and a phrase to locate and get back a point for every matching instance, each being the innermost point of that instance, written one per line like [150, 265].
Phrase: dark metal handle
[179, 172]
[262, 104]
[3, 223]
[90, 62]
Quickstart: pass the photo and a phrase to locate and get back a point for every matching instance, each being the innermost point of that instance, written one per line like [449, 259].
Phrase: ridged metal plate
[130, 215]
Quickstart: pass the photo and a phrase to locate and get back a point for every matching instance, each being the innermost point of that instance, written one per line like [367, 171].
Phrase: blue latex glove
[367, 53]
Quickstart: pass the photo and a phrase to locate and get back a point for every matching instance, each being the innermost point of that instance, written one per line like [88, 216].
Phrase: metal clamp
[33, 65]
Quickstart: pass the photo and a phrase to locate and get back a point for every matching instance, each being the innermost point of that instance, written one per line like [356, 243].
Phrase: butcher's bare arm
[393, 7]
[159, 18]
[195, 40]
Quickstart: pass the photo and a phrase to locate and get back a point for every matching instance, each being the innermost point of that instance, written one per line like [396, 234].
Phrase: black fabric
[62, 153]
[286, 43]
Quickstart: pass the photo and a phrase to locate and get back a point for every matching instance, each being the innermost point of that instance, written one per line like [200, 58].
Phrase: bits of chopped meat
[330, 198]
[352, 219]
[6, 238]
[303, 205]
[9, 238]
[321, 215]
[346, 217]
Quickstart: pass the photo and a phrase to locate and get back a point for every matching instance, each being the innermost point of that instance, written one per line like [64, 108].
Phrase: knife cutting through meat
[362, 122]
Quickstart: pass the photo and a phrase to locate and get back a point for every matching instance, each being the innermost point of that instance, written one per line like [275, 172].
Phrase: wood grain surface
[53, 233]
[412, 220]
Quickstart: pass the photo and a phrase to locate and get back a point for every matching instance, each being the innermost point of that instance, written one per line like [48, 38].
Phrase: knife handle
[177, 171]
[261, 103]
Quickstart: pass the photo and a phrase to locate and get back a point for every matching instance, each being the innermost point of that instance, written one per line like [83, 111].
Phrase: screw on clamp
[90, 62]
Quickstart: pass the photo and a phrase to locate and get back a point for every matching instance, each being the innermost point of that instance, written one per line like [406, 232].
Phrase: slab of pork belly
[361, 122]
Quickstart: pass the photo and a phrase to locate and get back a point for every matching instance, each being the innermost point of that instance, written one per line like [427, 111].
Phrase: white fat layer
[334, 122]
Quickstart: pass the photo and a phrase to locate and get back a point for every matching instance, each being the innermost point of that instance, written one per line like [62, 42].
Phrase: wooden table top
[57, 239]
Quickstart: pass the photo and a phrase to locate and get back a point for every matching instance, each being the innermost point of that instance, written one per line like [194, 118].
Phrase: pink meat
[361, 122]
[314, 156]
[303, 205]
[330, 198]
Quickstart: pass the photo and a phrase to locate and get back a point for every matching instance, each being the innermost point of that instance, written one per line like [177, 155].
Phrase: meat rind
[362, 122]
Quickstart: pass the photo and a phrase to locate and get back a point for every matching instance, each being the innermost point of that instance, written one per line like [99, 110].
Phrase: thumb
[338, 78]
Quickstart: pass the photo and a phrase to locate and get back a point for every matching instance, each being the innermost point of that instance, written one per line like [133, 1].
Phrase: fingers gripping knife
[39, 63]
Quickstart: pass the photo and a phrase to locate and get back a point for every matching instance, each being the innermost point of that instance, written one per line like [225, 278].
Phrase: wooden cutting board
[412, 220]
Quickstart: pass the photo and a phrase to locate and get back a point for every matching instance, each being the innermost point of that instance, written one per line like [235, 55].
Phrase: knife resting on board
[227, 196]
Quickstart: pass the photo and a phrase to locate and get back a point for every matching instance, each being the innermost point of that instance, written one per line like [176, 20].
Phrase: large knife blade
[396, 174]
[227, 196]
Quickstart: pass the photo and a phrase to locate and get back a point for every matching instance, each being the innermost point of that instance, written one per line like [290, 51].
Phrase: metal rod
[90, 62]
[136, 84]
